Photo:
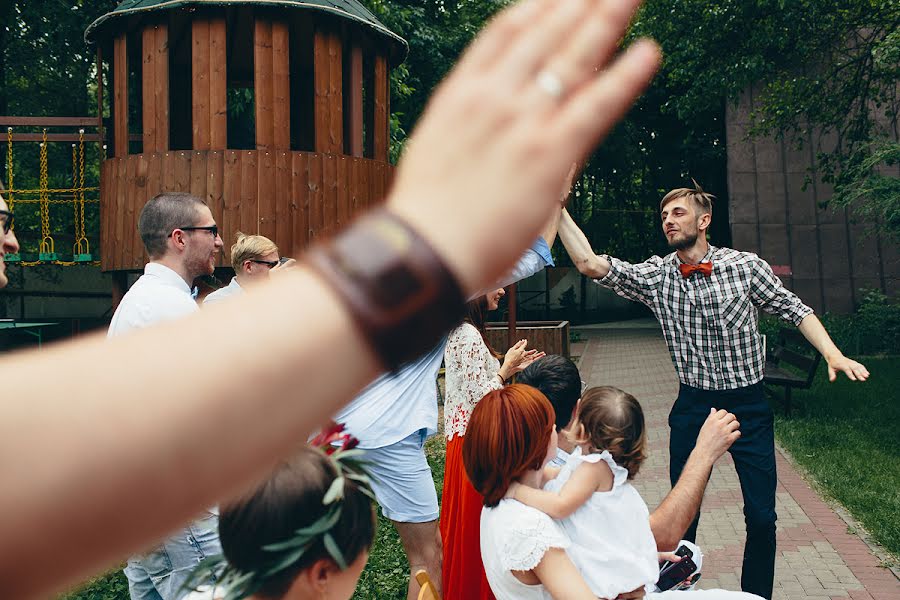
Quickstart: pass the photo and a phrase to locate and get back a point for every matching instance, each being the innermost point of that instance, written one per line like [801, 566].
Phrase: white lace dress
[470, 372]
[514, 537]
[612, 544]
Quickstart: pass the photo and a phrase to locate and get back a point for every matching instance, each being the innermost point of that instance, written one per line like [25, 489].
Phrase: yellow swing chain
[82, 238]
[47, 244]
[9, 172]
[81, 246]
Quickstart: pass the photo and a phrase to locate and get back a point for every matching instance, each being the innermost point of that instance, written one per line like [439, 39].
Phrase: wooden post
[208, 84]
[263, 82]
[155, 49]
[328, 99]
[382, 106]
[218, 84]
[200, 84]
[100, 98]
[355, 104]
[120, 96]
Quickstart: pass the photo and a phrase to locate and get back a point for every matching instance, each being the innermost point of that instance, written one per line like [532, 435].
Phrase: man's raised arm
[579, 249]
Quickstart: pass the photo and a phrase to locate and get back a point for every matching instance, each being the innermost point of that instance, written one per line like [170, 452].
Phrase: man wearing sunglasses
[254, 258]
[182, 240]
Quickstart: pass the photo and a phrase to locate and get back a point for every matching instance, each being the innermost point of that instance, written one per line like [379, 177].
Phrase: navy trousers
[754, 461]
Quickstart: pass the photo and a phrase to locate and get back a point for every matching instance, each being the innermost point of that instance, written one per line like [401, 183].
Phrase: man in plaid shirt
[707, 300]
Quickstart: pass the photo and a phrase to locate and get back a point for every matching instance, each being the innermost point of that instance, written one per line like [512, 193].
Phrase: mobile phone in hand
[681, 551]
[675, 573]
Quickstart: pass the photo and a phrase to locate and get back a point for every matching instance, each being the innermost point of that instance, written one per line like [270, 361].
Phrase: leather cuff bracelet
[399, 291]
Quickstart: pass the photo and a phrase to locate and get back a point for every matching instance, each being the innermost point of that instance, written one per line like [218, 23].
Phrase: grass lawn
[845, 435]
[386, 573]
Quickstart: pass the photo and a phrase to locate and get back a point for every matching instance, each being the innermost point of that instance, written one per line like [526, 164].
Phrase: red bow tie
[704, 269]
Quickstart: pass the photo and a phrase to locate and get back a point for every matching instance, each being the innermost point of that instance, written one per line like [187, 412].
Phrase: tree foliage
[826, 66]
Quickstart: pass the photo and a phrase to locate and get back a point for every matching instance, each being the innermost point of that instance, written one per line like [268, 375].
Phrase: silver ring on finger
[551, 84]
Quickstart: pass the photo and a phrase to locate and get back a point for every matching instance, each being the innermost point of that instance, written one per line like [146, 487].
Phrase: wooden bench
[794, 351]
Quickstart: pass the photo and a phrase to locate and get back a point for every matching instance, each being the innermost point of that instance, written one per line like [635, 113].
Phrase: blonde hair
[702, 200]
[250, 247]
[610, 419]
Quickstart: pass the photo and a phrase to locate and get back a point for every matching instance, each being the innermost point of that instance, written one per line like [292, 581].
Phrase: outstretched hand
[534, 93]
[853, 370]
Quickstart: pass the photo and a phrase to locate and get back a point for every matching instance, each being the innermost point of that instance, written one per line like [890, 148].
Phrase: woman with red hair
[510, 437]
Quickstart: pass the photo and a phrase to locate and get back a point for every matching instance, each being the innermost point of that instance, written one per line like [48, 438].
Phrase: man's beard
[685, 242]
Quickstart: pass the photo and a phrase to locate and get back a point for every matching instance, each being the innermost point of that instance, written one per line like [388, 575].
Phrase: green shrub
[873, 329]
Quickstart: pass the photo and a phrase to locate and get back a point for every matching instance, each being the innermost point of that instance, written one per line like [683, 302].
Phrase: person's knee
[422, 543]
[759, 520]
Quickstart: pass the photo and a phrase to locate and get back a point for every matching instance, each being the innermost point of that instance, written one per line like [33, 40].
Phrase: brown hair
[291, 499]
[703, 201]
[507, 436]
[163, 214]
[610, 419]
[475, 316]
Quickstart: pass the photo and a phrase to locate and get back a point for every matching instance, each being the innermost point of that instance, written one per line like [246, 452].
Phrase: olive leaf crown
[341, 450]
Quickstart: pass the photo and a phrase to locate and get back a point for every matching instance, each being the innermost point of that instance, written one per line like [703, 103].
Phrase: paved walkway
[817, 558]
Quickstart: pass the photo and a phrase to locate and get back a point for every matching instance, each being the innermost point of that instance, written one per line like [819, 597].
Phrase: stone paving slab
[817, 558]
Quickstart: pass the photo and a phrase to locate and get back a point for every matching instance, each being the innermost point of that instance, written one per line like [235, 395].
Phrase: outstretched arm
[138, 422]
[813, 330]
[579, 249]
[677, 510]
[587, 479]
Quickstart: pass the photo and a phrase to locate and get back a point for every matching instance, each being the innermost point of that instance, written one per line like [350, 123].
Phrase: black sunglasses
[269, 263]
[213, 229]
[7, 223]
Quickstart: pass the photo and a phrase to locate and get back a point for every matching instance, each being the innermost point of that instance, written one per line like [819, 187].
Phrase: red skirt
[463, 577]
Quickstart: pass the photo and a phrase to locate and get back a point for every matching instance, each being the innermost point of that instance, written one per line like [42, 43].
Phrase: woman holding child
[601, 546]
[472, 369]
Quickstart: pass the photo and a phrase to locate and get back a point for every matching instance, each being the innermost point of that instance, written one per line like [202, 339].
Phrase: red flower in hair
[332, 438]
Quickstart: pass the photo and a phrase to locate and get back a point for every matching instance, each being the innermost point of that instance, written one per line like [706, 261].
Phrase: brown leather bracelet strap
[400, 293]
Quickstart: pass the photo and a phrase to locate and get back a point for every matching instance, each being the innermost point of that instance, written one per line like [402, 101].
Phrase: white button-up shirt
[232, 289]
[160, 294]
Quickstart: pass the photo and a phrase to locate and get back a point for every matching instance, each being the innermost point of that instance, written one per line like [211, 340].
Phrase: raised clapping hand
[854, 371]
[533, 94]
[519, 357]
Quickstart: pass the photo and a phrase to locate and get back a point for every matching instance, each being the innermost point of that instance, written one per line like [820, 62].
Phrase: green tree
[827, 65]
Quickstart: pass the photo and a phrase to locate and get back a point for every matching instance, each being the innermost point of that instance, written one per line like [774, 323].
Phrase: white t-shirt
[232, 289]
[612, 544]
[160, 294]
[515, 537]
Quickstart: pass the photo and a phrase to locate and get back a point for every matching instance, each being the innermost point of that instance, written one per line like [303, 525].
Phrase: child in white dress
[603, 515]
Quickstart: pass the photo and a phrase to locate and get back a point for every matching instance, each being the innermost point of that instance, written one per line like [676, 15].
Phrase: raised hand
[532, 95]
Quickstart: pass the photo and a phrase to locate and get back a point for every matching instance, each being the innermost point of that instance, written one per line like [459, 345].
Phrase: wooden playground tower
[317, 73]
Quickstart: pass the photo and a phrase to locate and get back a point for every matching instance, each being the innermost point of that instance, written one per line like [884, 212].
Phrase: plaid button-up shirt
[710, 323]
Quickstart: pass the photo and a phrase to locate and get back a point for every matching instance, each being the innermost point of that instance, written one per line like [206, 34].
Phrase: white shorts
[402, 481]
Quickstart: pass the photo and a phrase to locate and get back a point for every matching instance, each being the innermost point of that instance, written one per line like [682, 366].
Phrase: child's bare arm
[550, 472]
[587, 479]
